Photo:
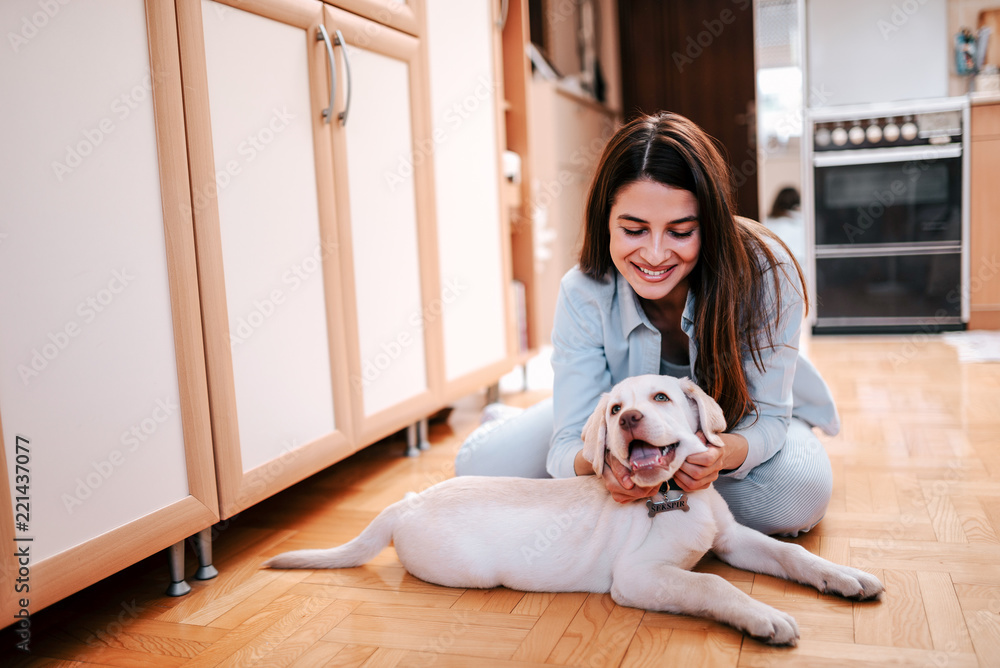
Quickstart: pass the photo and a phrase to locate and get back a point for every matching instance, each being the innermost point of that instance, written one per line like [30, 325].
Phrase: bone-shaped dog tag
[676, 503]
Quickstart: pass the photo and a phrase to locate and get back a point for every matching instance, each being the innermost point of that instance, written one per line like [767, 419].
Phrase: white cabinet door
[383, 188]
[265, 217]
[473, 241]
[102, 376]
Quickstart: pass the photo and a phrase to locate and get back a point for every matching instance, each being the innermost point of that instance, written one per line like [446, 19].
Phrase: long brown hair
[732, 305]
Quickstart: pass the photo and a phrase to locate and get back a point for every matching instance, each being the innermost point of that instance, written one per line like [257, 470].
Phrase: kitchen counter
[985, 97]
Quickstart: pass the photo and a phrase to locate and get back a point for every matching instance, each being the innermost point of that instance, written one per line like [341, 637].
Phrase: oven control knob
[856, 135]
[873, 134]
[839, 136]
[909, 131]
[890, 132]
[823, 137]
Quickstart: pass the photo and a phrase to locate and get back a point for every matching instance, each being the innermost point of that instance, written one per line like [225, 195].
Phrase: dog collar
[673, 498]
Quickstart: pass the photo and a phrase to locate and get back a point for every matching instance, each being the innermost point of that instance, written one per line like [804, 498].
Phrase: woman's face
[655, 237]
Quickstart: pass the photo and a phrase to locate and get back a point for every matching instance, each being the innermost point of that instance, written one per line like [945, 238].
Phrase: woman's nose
[658, 250]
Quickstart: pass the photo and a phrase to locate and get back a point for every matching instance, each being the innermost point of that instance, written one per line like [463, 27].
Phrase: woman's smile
[654, 275]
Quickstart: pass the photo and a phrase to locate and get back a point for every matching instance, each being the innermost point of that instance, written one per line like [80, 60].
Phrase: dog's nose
[630, 418]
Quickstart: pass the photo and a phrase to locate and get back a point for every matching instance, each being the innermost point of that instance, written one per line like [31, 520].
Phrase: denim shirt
[601, 336]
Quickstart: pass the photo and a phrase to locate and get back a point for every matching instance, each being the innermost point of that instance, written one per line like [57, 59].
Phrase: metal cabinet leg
[203, 548]
[423, 442]
[412, 441]
[175, 556]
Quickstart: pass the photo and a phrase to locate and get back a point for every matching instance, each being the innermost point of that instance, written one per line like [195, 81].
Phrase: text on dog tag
[679, 503]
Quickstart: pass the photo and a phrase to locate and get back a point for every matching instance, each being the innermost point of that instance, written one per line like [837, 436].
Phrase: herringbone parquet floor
[916, 501]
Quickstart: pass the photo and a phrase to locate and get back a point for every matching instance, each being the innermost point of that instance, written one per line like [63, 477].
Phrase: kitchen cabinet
[571, 137]
[261, 172]
[210, 288]
[387, 232]
[340, 304]
[473, 229]
[560, 136]
[984, 237]
[103, 399]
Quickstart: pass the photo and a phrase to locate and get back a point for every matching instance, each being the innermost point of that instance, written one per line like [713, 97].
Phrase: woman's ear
[595, 436]
[710, 416]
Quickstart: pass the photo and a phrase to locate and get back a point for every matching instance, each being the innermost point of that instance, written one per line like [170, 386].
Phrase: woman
[785, 220]
[671, 282]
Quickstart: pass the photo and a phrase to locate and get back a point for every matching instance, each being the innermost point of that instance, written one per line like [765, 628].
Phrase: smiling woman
[672, 282]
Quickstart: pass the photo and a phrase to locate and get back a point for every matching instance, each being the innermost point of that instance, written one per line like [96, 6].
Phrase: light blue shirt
[601, 336]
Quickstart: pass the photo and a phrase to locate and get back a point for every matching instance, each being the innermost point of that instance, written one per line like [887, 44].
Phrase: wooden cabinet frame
[408, 16]
[65, 573]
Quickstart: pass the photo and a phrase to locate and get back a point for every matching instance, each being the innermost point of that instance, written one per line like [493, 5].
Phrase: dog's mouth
[643, 455]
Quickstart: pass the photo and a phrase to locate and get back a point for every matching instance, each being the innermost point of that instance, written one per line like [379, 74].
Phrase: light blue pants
[786, 494]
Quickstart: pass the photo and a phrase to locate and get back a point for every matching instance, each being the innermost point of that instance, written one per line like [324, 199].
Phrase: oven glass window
[886, 287]
[893, 202]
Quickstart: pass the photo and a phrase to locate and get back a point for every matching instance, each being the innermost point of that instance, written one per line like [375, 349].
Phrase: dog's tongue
[642, 455]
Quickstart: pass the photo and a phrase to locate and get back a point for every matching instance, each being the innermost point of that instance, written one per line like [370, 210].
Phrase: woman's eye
[615, 409]
[632, 233]
[682, 235]
[660, 396]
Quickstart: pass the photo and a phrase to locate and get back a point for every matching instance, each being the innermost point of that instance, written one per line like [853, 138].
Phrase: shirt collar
[633, 315]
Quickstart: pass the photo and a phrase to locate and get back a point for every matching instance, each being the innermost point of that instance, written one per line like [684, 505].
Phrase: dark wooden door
[696, 58]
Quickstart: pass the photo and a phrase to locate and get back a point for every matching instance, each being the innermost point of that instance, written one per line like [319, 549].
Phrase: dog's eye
[615, 409]
[660, 396]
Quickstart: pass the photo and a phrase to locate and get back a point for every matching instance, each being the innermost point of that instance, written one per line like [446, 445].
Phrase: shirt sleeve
[581, 375]
[765, 430]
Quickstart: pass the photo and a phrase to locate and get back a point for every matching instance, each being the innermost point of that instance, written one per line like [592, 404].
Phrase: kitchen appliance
[888, 233]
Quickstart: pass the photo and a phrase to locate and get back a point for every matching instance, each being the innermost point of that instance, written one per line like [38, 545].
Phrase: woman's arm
[579, 366]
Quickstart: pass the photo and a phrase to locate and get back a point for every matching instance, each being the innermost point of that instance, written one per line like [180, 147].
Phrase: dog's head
[648, 423]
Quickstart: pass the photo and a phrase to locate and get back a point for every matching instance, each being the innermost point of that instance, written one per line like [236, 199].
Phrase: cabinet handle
[339, 40]
[321, 34]
[502, 21]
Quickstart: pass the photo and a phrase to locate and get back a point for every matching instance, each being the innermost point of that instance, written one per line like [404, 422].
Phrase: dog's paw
[852, 583]
[774, 627]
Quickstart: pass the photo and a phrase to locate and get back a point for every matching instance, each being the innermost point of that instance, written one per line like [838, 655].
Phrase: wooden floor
[916, 501]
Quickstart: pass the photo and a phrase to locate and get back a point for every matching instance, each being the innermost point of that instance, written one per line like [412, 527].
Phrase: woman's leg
[789, 492]
[516, 446]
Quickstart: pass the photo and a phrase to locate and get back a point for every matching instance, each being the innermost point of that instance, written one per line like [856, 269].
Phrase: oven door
[908, 288]
[899, 195]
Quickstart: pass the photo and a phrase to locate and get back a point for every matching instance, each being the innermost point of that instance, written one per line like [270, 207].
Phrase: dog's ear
[595, 436]
[710, 416]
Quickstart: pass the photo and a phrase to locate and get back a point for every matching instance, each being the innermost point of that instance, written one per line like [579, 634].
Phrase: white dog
[569, 534]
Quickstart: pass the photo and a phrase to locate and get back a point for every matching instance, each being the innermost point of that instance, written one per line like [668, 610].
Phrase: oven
[889, 202]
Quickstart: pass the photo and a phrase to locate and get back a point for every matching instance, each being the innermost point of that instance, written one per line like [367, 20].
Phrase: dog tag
[676, 503]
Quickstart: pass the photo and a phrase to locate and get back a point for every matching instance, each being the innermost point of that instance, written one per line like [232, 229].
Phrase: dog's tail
[362, 549]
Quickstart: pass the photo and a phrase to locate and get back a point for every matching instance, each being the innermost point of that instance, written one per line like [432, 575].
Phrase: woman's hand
[702, 469]
[618, 480]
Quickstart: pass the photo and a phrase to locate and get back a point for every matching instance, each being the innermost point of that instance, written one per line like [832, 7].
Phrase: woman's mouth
[653, 274]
